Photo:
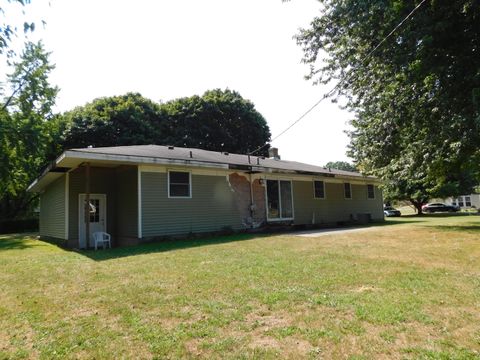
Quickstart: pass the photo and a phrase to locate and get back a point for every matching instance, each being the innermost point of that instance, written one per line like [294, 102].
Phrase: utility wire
[349, 76]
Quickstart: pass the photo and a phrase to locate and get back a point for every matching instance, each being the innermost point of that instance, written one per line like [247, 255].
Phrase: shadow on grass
[178, 244]
[468, 228]
[16, 241]
[436, 215]
[23, 241]
[397, 221]
[163, 246]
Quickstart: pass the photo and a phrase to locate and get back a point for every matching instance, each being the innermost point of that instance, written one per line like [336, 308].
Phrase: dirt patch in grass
[192, 347]
[263, 342]
[365, 288]
[19, 340]
[265, 332]
[4, 341]
[289, 347]
[459, 325]
[263, 322]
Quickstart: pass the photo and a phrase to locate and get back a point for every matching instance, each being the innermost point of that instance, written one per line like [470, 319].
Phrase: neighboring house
[141, 193]
[465, 201]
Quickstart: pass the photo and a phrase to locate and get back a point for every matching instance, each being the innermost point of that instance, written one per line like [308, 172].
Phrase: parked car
[439, 207]
[391, 211]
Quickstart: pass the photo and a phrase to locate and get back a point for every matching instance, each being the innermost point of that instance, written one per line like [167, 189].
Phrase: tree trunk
[418, 206]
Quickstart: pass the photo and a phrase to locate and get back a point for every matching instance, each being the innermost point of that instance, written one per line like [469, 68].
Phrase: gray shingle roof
[179, 153]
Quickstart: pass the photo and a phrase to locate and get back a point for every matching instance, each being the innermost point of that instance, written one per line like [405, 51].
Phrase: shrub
[19, 225]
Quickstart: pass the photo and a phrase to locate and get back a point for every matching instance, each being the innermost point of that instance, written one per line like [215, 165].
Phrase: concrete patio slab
[332, 231]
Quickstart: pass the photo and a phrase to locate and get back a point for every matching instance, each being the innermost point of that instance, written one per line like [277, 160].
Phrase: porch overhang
[71, 159]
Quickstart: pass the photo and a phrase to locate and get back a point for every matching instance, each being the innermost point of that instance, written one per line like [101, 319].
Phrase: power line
[349, 76]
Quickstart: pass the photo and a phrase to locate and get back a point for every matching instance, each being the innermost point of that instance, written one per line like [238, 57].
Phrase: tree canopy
[415, 99]
[218, 120]
[29, 130]
[341, 165]
[128, 119]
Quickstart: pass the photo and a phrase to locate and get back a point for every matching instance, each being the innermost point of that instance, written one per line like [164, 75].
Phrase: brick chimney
[273, 153]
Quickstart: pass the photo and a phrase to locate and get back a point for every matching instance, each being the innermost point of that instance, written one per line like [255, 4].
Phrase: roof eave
[84, 156]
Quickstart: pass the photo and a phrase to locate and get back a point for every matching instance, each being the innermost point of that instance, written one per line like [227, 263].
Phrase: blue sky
[170, 49]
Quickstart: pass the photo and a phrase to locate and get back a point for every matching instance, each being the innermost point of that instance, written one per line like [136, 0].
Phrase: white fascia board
[141, 159]
[38, 184]
[46, 171]
[301, 177]
[32, 185]
[60, 158]
[324, 176]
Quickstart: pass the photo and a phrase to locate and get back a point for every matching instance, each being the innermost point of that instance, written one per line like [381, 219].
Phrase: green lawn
[408, 289]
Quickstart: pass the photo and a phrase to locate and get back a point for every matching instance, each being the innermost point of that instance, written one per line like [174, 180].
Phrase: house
[465, 201]
[141, 193]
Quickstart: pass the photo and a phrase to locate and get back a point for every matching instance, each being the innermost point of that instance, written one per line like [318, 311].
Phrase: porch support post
[87, 204]
[252, 204]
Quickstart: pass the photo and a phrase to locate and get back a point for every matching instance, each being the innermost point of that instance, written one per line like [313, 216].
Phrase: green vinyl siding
[102, 181]
[211, 207]
[334, 207]
[127, 202]
[52, 210]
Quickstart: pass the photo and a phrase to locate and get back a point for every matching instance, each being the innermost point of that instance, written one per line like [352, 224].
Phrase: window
[460, 201]
[319, 189]
[179, 184]
[347, 190]
[370, 191]
[279, 200]
[468, 201]
[94, 210]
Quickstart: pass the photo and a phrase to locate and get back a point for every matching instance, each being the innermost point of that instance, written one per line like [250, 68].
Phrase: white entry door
[97, 217]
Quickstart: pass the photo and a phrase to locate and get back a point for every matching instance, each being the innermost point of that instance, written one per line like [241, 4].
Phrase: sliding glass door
[279, 200]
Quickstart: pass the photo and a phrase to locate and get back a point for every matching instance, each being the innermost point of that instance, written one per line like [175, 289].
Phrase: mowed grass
[408, 289]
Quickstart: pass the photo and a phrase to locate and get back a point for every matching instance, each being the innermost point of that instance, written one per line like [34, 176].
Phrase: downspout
[252, 204]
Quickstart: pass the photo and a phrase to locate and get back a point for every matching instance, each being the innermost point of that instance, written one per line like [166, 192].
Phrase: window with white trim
[318, 189]
[347, 190]
[370, 191]
[179, 184]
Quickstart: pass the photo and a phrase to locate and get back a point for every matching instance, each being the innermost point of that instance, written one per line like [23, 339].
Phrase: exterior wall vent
[171, 147]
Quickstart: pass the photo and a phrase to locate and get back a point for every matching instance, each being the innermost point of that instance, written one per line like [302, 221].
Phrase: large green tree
[415, 98]
[29, 130]
[128, 119]
[341, 165]
[218, 120]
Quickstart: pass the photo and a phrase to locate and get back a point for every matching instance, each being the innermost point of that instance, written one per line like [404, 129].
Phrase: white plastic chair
[102, 238]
